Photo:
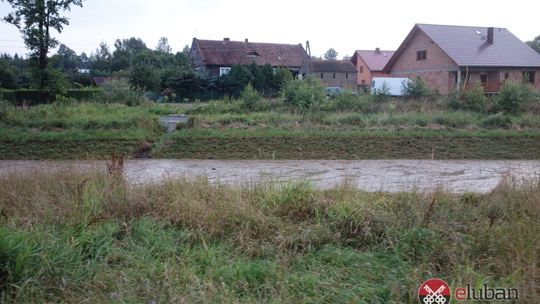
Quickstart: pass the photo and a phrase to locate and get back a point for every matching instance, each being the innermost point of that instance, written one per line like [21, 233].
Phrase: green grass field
[68, 237]
[225, 130]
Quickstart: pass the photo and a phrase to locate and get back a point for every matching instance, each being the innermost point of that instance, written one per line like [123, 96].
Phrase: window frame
[223, 71]
[421, 55]
[529, 77]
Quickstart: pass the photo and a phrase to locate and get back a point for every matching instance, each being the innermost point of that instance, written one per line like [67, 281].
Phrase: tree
[100, 61]
[535, 43]
[7, 77]
[35, 19]
[163, 45]
[331, 54]
[65, 60]
[125, 51]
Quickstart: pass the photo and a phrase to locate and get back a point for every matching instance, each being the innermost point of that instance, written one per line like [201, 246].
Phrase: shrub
[83, 94]
[30, 97]
[118, 90]
[303, 95]
[8, 95]
[418, 89]
[497, 121]
[250, 98]
[353, 119]
[474, 99]
[4, 107]
[351, 102]
[512, 97]
[382, 94]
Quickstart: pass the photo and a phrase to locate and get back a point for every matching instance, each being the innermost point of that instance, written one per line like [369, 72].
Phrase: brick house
[369, 64]
[334, 73]
[451, 57]
[218, 56]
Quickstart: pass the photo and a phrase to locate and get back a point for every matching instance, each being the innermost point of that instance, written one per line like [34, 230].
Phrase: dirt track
[369, 175]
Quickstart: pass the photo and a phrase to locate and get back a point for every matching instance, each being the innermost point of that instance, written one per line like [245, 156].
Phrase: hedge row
[33, 97]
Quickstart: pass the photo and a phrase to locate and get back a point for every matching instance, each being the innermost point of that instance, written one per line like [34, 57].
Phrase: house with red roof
[369, 64]
[453, 57]
[218, 56]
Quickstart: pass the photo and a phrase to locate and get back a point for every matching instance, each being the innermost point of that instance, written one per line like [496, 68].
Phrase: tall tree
[535, 43]
[35, 19]
[163, 45]
[331, 54]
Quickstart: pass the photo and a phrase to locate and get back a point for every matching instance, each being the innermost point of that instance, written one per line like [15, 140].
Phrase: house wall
[343, 80]
[435, 70]
[502, 75]
[364, 78]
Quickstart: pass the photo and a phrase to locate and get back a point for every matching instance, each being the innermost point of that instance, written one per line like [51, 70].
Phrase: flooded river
[369, 175]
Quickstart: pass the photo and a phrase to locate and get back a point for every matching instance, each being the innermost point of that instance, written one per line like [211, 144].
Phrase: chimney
[247, 40]
[226, 39]
[377, 51]
[490, 34]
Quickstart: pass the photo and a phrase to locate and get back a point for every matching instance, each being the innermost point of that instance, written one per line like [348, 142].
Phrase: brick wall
[364, 73]
[435, 70]
[342, 80]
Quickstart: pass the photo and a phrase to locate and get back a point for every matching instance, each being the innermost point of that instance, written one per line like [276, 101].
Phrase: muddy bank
[369, 175]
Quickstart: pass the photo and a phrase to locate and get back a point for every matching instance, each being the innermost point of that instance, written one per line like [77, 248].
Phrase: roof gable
[375, 60]
[468, 46]
[228, 53]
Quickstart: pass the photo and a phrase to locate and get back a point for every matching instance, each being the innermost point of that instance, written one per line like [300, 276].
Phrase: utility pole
[308, 59]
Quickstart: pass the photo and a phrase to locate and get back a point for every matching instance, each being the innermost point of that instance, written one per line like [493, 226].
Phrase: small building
[370, 64]
[218, 56]
[453, 57]
[334, 73]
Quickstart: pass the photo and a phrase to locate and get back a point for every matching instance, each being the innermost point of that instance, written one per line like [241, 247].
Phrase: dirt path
[369, 175]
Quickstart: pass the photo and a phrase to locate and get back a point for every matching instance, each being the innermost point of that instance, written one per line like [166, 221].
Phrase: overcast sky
[345, 25]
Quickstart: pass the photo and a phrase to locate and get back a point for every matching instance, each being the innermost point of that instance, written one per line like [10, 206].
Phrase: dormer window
[252, 54]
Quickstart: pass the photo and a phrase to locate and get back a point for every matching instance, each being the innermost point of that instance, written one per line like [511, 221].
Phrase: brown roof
[228, 53]
[375, 59]
[468, 46]
[332, 66]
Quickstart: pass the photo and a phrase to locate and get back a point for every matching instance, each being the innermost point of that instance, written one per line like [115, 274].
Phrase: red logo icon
[434, 291]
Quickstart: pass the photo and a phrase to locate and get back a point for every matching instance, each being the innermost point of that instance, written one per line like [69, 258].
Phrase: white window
[224, 71]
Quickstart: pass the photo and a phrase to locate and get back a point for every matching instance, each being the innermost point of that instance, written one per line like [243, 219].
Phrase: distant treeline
[163, 75]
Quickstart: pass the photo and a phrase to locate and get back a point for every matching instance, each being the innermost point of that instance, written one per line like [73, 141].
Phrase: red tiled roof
[375, 60]
[228, 53]
[332, 66]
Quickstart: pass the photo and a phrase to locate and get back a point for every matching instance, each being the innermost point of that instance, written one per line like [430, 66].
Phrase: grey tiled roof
[468, 46]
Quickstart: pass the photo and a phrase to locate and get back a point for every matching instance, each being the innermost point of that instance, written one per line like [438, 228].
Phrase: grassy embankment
[71, 237]
[225, 130]
[80, 130]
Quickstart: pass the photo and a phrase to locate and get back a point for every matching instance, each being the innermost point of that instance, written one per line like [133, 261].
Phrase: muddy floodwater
[369, 175]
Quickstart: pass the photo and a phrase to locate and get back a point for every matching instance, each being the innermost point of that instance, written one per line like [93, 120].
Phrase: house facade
[335, 73]
[455, 57]
[216, 57]
[369, 64]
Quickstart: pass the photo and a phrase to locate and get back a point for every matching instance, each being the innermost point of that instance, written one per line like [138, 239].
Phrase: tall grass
[72, 237]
